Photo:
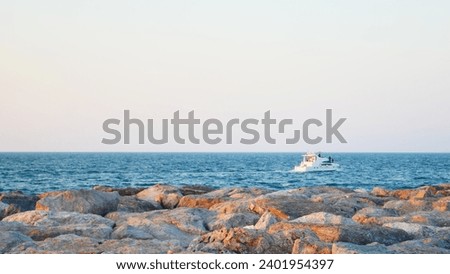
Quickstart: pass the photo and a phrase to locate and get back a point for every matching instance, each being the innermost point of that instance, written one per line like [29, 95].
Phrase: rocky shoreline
[196, 219]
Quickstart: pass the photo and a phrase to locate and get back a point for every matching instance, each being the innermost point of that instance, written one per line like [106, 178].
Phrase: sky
[67, 66]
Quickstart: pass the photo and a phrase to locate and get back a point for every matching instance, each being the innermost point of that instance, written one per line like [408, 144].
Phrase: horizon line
[405, 152]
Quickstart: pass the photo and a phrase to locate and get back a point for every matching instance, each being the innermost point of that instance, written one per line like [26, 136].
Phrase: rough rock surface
[18, 202]
[40, 225]
[83, 201]
[190, 219]
[164, 195]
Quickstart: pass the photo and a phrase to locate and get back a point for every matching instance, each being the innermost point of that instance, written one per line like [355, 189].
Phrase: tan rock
[309, 243]
[380, 192]
[408, 206]
[195, 201]
[233, 206]
[375, 215]
[240, 240]
[442, 204]
[432, 218]
[165, 195]
[225, 200]
[286, 204]
[425, 193]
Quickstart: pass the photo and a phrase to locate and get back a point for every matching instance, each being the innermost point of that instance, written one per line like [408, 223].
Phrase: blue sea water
[41, 172]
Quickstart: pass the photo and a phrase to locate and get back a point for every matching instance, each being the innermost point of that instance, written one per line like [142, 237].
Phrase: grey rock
[63, 244]
[135, 246]
[182, 224]
[6, 210]
[19, 201]
[424, 246]
[414, 229]
[266, 220]
[350, 248]
[232, 220]
[83, 201]
[358, 234]
[195, 189]
[325, 219]
[41, 225]
[126, 191]
[309, 243]
[133, 204]
[126, 231]
[409, 206]
[10, 239]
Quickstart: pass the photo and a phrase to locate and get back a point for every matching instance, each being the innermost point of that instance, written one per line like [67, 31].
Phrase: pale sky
[65, 67]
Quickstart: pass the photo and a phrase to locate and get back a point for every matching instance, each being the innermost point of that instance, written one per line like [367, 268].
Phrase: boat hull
[302, 169]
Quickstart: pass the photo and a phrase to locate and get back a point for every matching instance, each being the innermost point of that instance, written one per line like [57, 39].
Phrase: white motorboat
[316, 162]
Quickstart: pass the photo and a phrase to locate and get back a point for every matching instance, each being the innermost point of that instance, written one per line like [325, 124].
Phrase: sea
[43, 172]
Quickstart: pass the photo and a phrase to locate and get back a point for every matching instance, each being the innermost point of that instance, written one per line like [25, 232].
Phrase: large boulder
[419, 193]
[6, 210]
[380, 192]
[325, 219]
[375, 215]
[11, 239]
[309, 243]
[41, 225]
[195, 189]
[164, 195]
[133, 204]
[82, 201]
[125, 191]
[286, 204]
[408, 206]
[18, 201]
[350, 248]
[432, 218]
[136, 246]
[225, 200]
[358, 234]
[241, 240]
[63, 244]
[179, 224]
[414, 229]
[442, 204]
[232, 220]
[265, 221]
[423, 246]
